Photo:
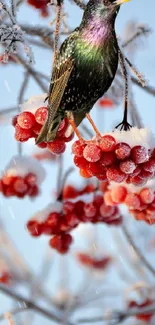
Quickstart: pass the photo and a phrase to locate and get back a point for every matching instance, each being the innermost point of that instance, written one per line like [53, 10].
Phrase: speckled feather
[84, 69]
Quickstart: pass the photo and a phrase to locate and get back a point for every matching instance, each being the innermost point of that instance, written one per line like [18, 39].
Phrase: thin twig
[141, 32]
[30, 304]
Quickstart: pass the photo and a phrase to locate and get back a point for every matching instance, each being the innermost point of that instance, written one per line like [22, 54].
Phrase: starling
[84, 68]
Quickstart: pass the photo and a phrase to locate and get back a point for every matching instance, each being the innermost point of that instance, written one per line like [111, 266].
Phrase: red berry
[14, 120]
[41, 115]
[56, 146]
[107, 158]
[80, 162]
[146, 175]
[79, 209]
[30, 179]
[20, 186]
[84, 259]
[26, 120]
[118, 194]
[93, 168]
[136, 180]
[63, 127]
[122, 150]
[33, 191]
[42, 145]
[127, 166]
[61, 243]
[136, 171]
[22, 134]
[132, 200]
[69, 138]
[77, 148]
[84, 173]
[106, 210]
[8, 180]
[70, 192]
[98, 200]
[146, 195]
[108, 198]
[92, 152]
[68, 207]
[50, 226]
[90, 210]
[36, 129]
[139, 154]
[116, 175]
[34, 227]
[107, 143]
[149, 166]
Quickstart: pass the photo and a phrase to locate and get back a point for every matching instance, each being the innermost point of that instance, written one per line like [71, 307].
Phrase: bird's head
[105, 9]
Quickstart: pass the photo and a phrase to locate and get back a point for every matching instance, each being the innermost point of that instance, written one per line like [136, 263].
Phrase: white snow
[34, 102]
[134, 137]
[43, 214]
[21, 166]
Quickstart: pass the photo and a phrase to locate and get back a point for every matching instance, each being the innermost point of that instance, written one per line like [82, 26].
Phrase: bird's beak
[120, 2]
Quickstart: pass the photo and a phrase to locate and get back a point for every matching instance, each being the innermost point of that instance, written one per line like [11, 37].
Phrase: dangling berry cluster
[41, 5]
[108, 158]
[62, 221]
[22, 178]
[28, 125]
[93, 262]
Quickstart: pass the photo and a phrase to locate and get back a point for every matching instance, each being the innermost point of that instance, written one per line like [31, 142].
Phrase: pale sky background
[15, 212]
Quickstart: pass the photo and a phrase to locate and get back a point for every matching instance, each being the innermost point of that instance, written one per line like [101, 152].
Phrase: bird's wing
[61, 72]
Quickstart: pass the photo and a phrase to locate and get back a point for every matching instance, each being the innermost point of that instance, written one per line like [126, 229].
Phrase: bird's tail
[49, 129]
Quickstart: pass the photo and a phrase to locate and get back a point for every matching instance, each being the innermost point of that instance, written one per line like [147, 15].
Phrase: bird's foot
[124, 125]
[72, 123]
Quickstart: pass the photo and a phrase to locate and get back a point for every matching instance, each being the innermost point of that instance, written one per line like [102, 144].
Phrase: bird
[84, 68]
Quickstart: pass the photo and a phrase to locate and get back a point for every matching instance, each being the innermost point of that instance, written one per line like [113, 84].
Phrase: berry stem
[93, 124]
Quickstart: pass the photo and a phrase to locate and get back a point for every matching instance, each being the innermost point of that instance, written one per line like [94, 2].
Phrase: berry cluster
[60, 223]
[22, 178]
[141, 203]
[92, 262]
[108, 158]
[40, 5]
[143, 317]
[28, 125]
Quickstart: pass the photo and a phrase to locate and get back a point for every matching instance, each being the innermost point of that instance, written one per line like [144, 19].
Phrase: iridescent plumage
[85, 67]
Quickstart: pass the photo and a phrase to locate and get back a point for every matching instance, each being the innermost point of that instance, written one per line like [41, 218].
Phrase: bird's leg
[72, 123]
[138, 74]
[124, 124]
[93, 124]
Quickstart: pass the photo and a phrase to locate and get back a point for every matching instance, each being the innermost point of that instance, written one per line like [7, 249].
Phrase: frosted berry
[127, 166]
[34, 227]
[107, 143]
[139, 154]
[122, 150]
[56, 146]
[19, 185]
[132, 201]
[149, 166]
[30, 179]
[41, 115]
[137, 180]
[146, 175]
[77, 148]
[22, 134]
[146, 195]
[92, 153]
[26, 120]
[118, 194]
[106, 210]
[116, 175]
[90, 210]
[107, 158]
[108, 198]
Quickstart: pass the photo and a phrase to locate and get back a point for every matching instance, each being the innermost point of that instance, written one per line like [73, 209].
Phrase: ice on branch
[12, 36]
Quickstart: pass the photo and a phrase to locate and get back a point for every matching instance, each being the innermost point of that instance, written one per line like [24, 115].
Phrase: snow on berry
[120, 156]
[21, 177]
[29, 122]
